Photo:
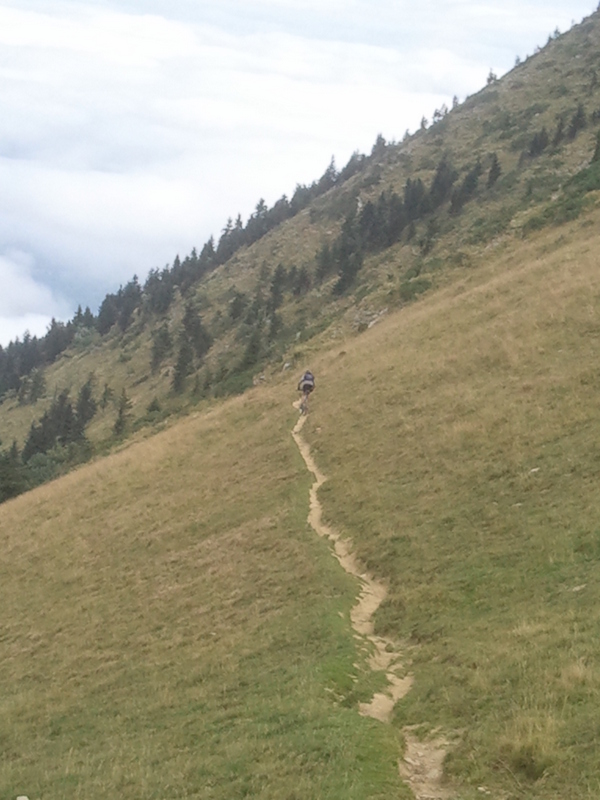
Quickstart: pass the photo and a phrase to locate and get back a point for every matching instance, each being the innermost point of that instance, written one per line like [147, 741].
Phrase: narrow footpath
[421, 766]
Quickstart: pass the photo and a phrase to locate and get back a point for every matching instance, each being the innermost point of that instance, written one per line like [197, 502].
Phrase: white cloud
[15, 327]
[114, 38]
[128, 137]
[105, 173]
[25, 304]
[20, 293]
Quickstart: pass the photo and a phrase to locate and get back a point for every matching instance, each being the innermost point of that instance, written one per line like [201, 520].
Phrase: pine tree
[349, 254]
[442, 183]
[57, 339]
[275, 326]
[378, 148]
[12, 475]
[495, 171]
[129, 299]
[154, 406]
[415, 199]
[276, 288]
[325, 262]
[354, 165]
[301, 283]
[237, 305]
[107, 314]
[85, 408]
[207, 382]
[123, 409]
[161, 346]
[559, 134]
[195, 332]
[253, 348]
[466, 190]
[183, 366]
[159, 290]
[207, 256]
[427, 241]
[539, 143]
[396, 221]
[328, 179]
[56, 426]
[578, 121]
[88, 318]
[107, 396]
[62, 419]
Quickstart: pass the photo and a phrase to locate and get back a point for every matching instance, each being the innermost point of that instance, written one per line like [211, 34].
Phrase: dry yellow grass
[461, 439]
[171, 627]
[167, 631]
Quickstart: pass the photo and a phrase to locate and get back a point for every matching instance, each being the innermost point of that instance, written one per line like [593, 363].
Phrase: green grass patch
[179, 631]
[571, 203]
[411, 289]
[466, 470]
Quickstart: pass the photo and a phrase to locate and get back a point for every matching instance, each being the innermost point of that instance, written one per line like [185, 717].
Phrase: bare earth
[421, 767]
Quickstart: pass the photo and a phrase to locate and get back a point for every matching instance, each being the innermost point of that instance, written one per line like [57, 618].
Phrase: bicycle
[305, 385]
[304, 403]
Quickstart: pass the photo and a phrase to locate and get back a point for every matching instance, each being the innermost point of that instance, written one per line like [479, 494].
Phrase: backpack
[307, 381]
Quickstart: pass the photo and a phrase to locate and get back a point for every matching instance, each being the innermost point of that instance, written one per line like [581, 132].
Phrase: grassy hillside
[171, 628]
[461, 437]
[540, 123]
[171, 625]
[177, 629]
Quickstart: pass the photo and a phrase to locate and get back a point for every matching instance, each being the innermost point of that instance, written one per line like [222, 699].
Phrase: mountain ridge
[520, 154]
[173, 628]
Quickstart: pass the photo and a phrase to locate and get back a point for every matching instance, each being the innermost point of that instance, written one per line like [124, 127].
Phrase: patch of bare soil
[421, 766]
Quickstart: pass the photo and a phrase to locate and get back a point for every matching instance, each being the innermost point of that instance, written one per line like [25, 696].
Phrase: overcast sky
[130, 131]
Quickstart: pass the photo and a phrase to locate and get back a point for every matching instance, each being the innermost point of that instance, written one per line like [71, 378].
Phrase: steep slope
[520, 155]
[171, 628]
[177, 629]
[179, 623]
[461, 440]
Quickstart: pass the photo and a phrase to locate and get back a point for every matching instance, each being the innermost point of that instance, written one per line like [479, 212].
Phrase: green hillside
[171, 628]
[461, 438]
[520, 155]
[172, 624]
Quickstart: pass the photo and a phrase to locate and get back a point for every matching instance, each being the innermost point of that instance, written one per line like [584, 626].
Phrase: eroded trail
[421, 767]
[384, 655]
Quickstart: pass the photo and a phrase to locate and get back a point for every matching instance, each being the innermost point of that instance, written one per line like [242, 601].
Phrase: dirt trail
[421, 766]
[384, 656]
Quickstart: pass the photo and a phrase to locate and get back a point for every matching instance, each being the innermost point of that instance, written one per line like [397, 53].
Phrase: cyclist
[306, 385]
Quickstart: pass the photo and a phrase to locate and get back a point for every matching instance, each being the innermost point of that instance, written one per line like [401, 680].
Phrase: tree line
[566, 129]
[369, 227]
[61, 428]
[57, 440]
[377, 225]
[22, 356]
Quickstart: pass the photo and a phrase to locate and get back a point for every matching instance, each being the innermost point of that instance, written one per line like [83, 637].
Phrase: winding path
[421, 767]
[384, 655]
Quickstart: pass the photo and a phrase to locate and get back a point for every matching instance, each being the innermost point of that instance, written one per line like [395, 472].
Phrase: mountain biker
[306, 385]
